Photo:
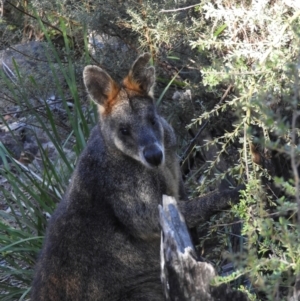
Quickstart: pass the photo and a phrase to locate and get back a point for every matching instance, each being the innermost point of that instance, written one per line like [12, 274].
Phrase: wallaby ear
[100, 86]
[140, 77]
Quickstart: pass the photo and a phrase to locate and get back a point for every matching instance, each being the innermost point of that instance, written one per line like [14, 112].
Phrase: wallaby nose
[153, 154]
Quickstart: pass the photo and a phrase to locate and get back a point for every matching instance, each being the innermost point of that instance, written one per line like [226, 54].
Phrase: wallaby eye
[124, 131]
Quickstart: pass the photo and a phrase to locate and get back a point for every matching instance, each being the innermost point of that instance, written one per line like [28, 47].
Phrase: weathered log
[183, 277]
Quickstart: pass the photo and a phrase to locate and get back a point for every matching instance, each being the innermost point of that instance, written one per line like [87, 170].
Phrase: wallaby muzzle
[153, 154]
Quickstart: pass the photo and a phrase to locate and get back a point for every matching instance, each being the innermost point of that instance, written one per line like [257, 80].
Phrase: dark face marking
[134, 128]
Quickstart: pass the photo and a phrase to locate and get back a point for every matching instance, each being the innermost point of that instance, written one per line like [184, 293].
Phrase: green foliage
[272, 246]
[32, 191]
[249, 48]
[256, 49]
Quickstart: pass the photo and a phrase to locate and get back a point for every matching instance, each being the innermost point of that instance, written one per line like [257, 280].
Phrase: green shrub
[31, 191]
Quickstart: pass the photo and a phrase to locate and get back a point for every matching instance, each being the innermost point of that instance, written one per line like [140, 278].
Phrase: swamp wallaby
[103, 240]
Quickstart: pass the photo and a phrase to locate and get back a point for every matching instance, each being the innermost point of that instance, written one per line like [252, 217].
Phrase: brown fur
[103, 240]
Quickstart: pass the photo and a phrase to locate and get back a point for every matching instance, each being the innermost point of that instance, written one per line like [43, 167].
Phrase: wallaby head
[128, 118]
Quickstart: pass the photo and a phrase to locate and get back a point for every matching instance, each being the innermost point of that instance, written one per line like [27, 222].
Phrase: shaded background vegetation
[228, 82]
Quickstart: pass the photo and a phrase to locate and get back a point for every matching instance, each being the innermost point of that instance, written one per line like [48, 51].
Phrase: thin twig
[225, 94]
[193, 142]
[33, 108]
[178, 9]
[245, 153]
[9, 73]
[30, 56]
[294, 163]
[32, 16]
[270, 215]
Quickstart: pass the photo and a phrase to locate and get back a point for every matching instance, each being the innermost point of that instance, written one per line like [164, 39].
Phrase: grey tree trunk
[183, 277]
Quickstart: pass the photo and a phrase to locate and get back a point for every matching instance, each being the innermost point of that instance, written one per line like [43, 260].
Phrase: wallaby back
[103, 240]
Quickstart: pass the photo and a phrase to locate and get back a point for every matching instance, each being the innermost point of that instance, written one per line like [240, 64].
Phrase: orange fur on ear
[131, 84]
[112, 97]
[101, 87]
[140, 79]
